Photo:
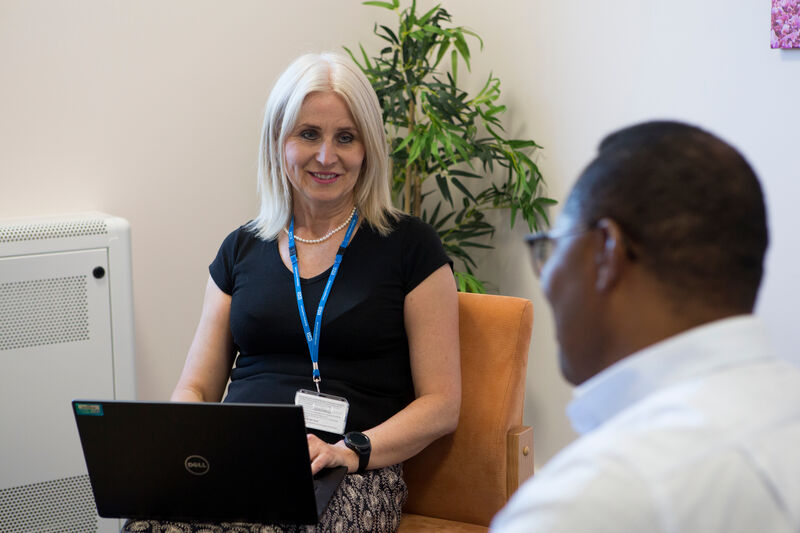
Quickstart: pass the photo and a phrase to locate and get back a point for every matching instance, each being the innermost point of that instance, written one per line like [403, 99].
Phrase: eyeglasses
[542, 244]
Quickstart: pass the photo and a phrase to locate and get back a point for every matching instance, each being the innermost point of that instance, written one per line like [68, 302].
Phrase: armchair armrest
[519, 456]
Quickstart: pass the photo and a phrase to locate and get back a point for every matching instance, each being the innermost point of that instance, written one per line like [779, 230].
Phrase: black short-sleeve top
[363, 348]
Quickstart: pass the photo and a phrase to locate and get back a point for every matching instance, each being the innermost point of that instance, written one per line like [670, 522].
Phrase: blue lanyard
[313, 341]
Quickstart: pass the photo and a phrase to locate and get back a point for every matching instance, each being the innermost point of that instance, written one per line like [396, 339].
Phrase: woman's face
[324, 152]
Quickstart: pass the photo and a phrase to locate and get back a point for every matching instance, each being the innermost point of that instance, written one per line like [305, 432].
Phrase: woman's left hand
[324, 455]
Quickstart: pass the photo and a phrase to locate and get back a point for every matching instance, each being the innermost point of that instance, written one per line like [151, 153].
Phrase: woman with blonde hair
[387, 336]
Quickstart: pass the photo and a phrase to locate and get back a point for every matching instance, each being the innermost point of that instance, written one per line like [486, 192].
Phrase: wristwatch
[359, 443]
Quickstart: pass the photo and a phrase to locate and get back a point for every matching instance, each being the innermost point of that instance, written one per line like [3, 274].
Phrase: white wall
[574, 71]
[150, 109]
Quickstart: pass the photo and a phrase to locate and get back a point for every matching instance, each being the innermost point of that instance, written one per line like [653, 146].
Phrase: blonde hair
[322, 72]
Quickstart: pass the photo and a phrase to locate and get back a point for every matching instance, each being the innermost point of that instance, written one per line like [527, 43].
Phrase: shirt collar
[693, 353]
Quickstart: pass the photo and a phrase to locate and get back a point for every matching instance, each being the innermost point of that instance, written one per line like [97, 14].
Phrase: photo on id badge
[323, 412]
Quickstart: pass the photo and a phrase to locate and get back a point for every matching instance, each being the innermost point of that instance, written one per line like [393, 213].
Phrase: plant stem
[409, 172]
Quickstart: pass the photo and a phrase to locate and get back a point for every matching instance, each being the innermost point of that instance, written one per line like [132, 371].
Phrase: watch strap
[363, 451]
[363, 461]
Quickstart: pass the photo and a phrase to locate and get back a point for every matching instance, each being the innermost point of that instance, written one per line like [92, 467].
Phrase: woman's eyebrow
[307, 125]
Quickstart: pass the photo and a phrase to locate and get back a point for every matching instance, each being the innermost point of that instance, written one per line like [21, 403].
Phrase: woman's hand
[324, 455]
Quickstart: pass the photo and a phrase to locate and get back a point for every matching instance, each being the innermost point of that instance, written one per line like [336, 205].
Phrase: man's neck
[641, 320]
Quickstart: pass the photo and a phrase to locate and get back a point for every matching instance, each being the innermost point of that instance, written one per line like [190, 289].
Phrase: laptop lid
[201, 461]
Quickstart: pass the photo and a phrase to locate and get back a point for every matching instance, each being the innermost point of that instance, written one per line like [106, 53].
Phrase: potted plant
[438, 131]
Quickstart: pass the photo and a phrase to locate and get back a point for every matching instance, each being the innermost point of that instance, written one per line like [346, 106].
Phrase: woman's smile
[324, 177]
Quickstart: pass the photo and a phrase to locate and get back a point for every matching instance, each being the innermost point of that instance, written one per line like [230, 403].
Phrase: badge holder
[323, 412]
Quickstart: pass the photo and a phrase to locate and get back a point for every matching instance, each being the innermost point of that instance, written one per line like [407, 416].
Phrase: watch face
[358, 439]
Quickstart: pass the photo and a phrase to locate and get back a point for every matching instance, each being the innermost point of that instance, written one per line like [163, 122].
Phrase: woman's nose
[327, 153]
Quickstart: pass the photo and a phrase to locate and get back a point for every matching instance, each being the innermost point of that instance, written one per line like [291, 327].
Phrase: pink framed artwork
[785, 24]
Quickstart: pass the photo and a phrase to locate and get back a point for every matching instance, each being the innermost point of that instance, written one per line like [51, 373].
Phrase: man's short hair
[689, 203]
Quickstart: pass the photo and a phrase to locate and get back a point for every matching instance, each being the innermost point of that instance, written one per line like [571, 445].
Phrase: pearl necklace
[328, 235]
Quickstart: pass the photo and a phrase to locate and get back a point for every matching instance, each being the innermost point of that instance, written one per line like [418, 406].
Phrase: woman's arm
[431, 320]
[211, 354]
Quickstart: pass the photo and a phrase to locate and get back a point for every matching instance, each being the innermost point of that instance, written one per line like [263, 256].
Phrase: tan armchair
[459, 482]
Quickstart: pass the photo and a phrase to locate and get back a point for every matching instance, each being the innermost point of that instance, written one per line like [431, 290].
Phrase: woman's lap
[372, 501]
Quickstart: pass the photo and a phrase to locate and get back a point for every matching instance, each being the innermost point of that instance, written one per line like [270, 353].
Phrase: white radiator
[66, 331]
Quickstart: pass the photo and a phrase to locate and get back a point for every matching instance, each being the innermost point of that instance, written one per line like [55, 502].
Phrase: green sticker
[89, 409]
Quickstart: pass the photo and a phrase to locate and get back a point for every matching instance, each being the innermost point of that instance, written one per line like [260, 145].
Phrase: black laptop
[202, 462]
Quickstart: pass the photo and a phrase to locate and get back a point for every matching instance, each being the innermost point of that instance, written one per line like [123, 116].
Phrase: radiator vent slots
[44, 311]
[50, 507]
[52, 230]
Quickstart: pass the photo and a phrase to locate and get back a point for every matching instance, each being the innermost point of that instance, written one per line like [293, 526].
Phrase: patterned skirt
[368, 502]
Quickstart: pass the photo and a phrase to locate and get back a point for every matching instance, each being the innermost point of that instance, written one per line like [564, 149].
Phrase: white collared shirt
[699, 433]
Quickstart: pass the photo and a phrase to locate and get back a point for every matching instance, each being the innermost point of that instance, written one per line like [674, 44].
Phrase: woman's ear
[610, 256]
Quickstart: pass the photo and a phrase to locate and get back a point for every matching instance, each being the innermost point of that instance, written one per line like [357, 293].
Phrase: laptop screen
[199, 461]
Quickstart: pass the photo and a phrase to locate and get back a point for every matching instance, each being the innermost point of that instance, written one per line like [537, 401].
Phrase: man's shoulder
[581, 489]
[672, 471]
[711, 442]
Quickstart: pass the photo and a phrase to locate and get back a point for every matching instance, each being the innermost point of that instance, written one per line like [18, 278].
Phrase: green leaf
[464, 174]
[352, 57]
[477, 245]
[461, 46]
[436, 155]
[364, 54]
[517, 144]
[493, 110]
[444, 140]
[411, 15]
[428, 141]
[444, 220]
[428, 15]
[461, 148]
[441, 181]
[454, 67]
[387, 5]
[541, 211]
[470, 32]
[435, 214]
[462, 283]
[494, 134]
[404, 143]
[416, 148]
[392, 37]
[434, 29]
[463, 189]
[468, 283]
[529, 163]
[444, 44]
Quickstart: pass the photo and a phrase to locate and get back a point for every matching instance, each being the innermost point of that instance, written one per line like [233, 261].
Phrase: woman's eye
[346, 137]
[308, 135]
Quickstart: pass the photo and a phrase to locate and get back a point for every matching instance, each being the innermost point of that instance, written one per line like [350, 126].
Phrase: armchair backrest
[463, 476]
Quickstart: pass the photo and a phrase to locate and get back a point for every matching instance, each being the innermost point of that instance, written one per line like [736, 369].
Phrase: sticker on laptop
[89, 409]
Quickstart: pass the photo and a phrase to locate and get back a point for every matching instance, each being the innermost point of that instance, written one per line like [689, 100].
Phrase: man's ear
[610, 256]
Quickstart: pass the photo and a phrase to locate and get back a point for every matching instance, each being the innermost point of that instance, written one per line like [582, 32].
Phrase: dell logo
[196, 465]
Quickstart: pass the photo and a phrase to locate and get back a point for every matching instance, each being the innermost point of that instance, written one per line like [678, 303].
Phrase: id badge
[323, 411]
